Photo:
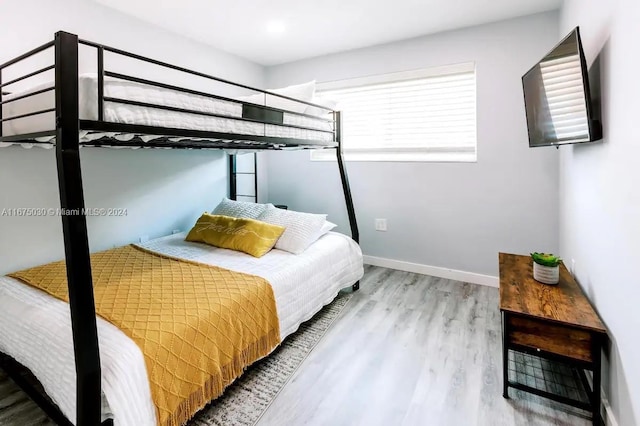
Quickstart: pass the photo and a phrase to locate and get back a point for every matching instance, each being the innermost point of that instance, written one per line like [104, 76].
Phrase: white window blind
[425, 115]
[562, 79]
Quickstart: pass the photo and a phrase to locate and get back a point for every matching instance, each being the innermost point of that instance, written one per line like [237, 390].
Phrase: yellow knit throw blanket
[198, 326]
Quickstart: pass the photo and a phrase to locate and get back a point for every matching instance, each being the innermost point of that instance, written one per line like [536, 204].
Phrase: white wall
[162, 190]
[600, 200]
[452, 215]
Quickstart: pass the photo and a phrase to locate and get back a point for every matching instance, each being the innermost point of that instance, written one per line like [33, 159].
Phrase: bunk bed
[242, 126]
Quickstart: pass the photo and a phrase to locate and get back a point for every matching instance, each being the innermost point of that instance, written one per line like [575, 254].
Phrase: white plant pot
[546, 274]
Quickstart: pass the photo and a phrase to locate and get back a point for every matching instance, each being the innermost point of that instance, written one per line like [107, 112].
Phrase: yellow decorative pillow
[247, 235]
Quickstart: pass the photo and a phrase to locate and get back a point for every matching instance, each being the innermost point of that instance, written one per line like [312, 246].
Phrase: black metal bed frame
[67, 143]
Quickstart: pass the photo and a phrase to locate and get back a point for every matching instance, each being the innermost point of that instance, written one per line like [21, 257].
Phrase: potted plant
[546, 268]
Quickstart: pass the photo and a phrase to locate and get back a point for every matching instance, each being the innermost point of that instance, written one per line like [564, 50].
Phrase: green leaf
[546, 259]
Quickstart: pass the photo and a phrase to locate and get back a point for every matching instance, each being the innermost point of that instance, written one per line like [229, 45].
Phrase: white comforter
[35, 328]
[128, 114]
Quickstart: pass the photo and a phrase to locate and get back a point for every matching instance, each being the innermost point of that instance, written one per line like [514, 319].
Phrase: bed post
[233, 183]
[353, 223]
[74, 228]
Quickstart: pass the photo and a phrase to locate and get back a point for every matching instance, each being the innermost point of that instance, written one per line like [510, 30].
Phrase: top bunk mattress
[149, 116]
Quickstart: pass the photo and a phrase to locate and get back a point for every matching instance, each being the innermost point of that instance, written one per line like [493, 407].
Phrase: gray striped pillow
[241, 209]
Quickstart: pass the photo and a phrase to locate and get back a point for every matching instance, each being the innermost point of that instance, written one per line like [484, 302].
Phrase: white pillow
[320, 100]
[242, 209]
[301, 229]
[328, 226]
[303, 92]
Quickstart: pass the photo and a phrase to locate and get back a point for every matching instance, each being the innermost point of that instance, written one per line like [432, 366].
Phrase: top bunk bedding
[206, 114]
[124, 110]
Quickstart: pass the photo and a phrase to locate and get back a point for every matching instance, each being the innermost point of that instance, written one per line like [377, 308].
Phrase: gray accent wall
[600, 197]
[162, 190]
[449, 215]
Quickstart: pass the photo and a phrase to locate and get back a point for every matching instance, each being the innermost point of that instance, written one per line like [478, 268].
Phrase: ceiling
[271, 32]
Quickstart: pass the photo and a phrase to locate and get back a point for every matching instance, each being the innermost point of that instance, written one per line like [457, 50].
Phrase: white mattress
[35, 328]
[129, 114]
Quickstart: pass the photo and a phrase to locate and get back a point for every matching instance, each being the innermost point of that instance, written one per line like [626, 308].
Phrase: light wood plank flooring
[411, 349]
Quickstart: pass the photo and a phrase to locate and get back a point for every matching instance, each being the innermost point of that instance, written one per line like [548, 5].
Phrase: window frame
[404, 154]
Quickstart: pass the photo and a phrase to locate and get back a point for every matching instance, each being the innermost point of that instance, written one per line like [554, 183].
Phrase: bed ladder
[243, 174]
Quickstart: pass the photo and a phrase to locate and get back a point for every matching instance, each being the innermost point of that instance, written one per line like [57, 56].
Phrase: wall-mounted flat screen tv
[557, 97]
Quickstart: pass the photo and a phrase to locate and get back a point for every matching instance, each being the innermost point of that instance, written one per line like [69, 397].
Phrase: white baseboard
[436, 271]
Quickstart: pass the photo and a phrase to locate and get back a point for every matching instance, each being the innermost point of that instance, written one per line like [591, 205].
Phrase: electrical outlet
[381, 225]
[143, 238]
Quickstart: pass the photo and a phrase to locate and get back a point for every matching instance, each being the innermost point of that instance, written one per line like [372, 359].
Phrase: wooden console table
[555, 322]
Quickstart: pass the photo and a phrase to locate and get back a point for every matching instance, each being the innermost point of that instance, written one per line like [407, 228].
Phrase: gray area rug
[242, 404]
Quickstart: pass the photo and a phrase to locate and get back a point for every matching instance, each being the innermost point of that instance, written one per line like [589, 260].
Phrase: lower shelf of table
[549, 378]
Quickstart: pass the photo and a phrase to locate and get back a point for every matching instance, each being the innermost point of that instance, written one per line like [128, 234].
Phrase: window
[423, 115]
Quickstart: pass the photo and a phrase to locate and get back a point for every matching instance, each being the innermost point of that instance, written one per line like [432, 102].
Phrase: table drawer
[555, 338]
